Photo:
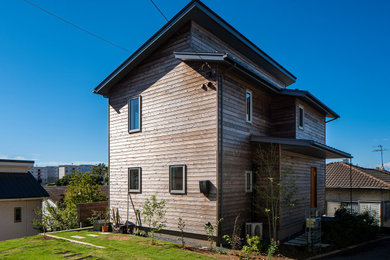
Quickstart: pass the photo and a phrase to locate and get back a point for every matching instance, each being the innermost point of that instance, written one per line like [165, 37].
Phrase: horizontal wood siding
[205, 41]
[237, 148]
[314, 124]
[179, 126]
[298, 167]
[283, 116]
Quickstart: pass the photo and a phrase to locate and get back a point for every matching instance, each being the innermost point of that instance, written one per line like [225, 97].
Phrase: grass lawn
[118, 246]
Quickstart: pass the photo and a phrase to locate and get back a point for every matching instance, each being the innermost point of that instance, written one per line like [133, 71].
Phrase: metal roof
[206, 18]
[303, 146]
[20, 185]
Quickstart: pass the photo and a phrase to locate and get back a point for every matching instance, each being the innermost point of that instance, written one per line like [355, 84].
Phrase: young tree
[100, 174]
[154, 215]
[275, 188]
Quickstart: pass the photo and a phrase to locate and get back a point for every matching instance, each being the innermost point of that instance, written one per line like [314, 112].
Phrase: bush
[349, 228]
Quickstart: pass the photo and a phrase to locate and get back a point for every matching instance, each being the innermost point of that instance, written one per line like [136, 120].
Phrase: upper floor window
[301, 114]
[134, 179]
[248, 96]
[135, 114]
[248, 181]
[177, 179]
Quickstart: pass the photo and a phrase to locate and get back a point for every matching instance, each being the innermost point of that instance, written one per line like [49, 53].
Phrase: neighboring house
[367, 189]
[48, 174]
[190, 105]
[69, 169]
[20, 195]
[57, 193]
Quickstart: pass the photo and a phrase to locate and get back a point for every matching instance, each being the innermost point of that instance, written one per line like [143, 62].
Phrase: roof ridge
[367, 174]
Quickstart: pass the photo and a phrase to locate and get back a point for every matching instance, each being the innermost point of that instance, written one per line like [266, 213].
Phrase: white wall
[11, 230]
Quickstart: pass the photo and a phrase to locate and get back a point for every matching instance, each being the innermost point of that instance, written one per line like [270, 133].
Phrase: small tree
[276, 188]
[181, 225]
[100, 174]
[210, 229]
[154, 215]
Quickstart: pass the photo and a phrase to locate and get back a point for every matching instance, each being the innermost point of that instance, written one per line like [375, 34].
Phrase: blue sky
[338, 50]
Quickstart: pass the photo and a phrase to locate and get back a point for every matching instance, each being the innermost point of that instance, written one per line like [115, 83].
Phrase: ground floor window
[135, 179]
[177, 179]
[18, 215]
[248, 181]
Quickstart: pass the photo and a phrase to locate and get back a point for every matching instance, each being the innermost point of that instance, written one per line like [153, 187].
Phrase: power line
[158, 9]
[76, 26]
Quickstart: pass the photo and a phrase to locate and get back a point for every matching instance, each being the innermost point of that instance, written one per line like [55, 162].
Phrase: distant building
[69, 169]
[47, 174]
[50, 174]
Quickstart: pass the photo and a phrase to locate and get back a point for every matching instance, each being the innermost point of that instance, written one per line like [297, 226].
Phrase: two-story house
[189, 106]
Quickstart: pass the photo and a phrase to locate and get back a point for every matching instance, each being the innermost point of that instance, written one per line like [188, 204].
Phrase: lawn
[117, 246]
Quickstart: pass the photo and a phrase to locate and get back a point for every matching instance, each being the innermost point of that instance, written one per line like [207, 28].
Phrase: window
[248, 181]
[177, 179]
[135, 114]
[248, 106]
[134, 179]
[17, 215]
[300, 117]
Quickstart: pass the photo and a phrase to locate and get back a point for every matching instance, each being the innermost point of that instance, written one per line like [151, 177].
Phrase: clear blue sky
[339, 50]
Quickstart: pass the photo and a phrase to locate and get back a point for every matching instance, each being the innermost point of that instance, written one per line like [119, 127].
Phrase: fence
[85, 210]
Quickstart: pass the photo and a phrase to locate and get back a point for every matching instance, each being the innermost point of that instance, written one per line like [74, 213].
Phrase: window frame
[139, 180]
[184, 190]
[246, 181]
[21, 217]
[250, 107]
[300, 107]
[139, 97]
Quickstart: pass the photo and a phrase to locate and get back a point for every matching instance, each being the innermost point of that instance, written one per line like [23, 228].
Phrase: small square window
[177, 179]
[135, 114]
[135, 180]
[17, 214]
[248, 181]
[301, 115]
[248, 97]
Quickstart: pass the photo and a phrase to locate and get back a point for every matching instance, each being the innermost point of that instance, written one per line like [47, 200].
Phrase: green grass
[36, 248]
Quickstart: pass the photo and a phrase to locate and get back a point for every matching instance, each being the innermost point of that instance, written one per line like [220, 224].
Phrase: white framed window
[248, 98]
[301, 116]
[135, 114]
[134, 180]
[177, 179]
[248, 181]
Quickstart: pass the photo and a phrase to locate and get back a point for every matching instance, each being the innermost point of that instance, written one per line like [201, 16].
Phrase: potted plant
[116, 220]
[100, 220]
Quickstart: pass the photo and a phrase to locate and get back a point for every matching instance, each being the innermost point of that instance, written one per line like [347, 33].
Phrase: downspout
[350, 182]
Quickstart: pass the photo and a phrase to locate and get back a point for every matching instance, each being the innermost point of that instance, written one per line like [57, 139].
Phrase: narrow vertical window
[17, 215]
[134, 179]
[248, 181]
[135, 114]
[300, 117]
[248, 106]
[177, 179]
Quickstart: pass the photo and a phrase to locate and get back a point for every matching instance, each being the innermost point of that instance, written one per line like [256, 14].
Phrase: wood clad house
[189, 106]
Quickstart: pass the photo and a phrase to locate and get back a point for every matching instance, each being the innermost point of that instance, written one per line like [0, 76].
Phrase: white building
[69, 169]
[48, 174]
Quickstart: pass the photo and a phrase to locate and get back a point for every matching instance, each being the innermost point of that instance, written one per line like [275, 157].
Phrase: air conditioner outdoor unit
[254, 229]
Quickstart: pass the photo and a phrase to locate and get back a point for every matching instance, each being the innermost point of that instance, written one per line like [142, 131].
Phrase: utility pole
[380, 149]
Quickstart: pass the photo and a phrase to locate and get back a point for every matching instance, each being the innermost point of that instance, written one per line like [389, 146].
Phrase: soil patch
[114, 237]
[149, 243]
[43, 238]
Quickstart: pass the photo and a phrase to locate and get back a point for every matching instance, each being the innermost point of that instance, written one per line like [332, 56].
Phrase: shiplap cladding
[179, 126]
[204, 41]
[314, 124]
[236, 145]
[283, 116]
[298, 167]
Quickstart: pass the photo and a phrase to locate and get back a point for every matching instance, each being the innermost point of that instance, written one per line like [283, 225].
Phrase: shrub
[349, 228]
[154, 215]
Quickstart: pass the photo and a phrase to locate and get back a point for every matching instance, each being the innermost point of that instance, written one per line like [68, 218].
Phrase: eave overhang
[202, 15]
[228, 60]
[303, 146]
